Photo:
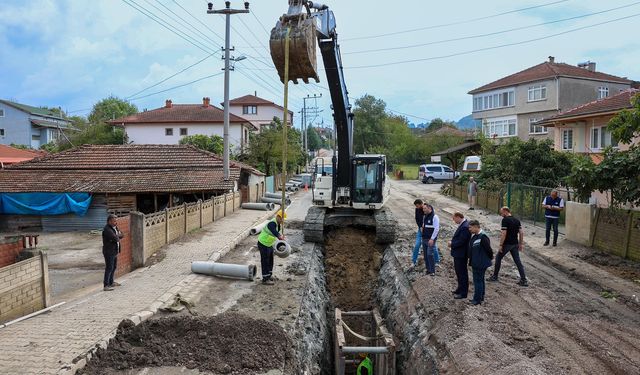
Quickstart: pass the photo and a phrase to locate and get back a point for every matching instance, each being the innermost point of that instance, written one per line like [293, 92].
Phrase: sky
[73, 53]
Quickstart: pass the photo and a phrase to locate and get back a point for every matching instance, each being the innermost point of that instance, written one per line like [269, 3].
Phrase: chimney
[592, 66]
[255, 93]
[552, 59]
[206, 101]
[168, 103]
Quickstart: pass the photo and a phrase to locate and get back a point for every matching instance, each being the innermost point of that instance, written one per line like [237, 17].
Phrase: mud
[227, 344]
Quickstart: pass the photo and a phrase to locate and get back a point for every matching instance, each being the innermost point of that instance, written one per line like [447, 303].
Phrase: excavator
[353, 190]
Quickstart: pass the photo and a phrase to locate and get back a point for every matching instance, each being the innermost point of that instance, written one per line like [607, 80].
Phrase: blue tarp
[44, 203]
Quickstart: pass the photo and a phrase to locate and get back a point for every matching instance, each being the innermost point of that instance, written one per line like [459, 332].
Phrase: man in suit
[110, 249]
[459, 245]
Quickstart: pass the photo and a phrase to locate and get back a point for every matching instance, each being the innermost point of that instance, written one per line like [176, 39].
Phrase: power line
[177, 87]
[492, 33]
[457, 22]
[492, 47]
[199, 21]
[171, 76]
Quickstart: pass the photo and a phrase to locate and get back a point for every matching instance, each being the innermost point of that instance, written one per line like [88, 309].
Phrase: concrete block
[144, 315]
[579, 222]
[135, 318]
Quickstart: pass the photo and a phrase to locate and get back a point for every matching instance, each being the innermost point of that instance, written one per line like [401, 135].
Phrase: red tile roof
[609, 104]
[253, 100]
[548, 70]
[10, 155]
[180, 113]
[123, 168]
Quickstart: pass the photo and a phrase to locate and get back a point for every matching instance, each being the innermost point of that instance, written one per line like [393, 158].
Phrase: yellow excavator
[354, 189]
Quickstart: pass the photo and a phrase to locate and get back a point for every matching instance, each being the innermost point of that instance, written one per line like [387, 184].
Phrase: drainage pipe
[274, 201]
[282, 248]
[365, 349]
[274, 195]
[258, 228]
[258, 206]
[237, 271]
[32, 314]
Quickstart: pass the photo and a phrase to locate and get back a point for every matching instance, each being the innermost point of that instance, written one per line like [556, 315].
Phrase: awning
[462, 147]
[48, 124]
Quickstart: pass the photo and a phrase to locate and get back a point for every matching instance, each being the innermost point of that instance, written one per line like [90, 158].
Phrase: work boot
[523, 282]
[555, 244]
[268, 282]
[107, 288]
[546, 243]
[493, 278]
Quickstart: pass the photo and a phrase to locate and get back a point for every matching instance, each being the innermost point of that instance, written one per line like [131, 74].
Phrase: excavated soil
[227, 344]
[352, 262]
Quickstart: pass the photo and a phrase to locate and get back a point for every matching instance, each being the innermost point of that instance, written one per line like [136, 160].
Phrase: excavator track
[320, 220]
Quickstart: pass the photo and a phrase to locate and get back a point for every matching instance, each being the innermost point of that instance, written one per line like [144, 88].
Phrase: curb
[81, 360]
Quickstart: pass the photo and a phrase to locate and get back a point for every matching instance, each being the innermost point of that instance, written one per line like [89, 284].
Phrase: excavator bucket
[302, 48]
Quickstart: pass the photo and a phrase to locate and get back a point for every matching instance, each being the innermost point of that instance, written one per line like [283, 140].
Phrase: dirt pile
[227, 344]
[352, 261]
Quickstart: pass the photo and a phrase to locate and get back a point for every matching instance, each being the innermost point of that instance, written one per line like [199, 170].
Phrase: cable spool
[281, 248]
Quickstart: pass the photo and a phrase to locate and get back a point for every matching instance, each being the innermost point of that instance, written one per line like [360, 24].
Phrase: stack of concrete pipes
[264, 206]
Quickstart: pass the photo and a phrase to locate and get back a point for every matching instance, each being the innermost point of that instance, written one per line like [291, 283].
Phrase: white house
[258, 111]
[168, 124]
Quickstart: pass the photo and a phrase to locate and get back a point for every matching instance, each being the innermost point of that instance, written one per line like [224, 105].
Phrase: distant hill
[467, 122]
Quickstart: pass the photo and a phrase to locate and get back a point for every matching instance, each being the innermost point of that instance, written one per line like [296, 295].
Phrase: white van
[472, 164]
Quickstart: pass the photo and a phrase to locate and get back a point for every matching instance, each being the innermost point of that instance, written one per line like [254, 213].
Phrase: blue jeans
[478, 283]
[429, 256]
[551, 223]
[416, 249]
[110, 265]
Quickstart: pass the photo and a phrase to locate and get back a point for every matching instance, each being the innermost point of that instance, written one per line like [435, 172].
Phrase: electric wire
[176, 87]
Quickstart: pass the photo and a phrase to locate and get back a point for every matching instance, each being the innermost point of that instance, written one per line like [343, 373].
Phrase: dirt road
[558, 325]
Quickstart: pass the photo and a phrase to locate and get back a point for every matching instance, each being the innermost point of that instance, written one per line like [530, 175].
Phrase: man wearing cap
[111, 236]
[268, 236]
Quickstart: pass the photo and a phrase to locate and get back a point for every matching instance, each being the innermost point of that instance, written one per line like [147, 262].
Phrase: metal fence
[525, 201]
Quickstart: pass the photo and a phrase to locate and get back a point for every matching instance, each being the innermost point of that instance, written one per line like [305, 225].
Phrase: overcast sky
[72, 53]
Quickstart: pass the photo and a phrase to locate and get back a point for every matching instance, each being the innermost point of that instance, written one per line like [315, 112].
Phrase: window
[494, 100]
[1, 112]
[447, 169]
[250, 110]
[567, 139]
[603, 92]
[168, 131]
[537, 92]
[184, 131]
[496, 128]
[1, 132]
[601, 138]
[536, 129]
[434, 169]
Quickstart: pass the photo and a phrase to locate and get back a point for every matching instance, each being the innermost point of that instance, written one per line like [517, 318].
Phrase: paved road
[49, 343]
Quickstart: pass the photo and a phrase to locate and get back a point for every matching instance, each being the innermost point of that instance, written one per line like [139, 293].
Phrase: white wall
[155, 133]
[265, 114]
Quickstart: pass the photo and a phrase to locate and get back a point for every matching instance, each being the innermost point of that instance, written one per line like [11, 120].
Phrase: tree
[213, 143]
[314, 142]
[109, 109]
[626, 124]
[438, 123]
[531, 162]
[265, 149]
[369, 132]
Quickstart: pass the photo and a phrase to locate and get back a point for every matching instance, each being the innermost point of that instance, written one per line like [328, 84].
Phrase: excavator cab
[301, 26]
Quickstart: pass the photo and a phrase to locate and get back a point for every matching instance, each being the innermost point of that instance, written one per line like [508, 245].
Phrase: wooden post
[155, 202]
[200, 207]
[166, 226]
[44, 265]
[184, 207]
[595, 227]
[225, 204]
[170, 200]
[627, 237]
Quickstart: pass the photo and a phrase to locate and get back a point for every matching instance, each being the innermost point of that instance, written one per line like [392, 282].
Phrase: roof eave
[552, 122]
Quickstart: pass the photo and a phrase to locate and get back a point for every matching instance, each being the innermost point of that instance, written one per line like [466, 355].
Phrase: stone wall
[24, 287]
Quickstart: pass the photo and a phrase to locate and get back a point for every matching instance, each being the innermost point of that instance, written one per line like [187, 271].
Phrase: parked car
[430, 173]
[472, 164]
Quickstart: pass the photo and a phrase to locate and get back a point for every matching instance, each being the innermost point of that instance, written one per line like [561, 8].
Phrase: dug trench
[241, 327]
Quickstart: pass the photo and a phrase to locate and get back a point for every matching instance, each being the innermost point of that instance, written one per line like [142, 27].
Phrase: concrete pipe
[275, 200]
[236, 271]
[293, 189]
[282, 248]
[275, 195]
[258, 228]
[258, 206]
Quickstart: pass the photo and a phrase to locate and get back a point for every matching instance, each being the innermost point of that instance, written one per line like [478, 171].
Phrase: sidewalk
[58, 341]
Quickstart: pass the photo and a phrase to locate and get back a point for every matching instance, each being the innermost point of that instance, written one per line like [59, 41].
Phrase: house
[11, 155]
[168, 124]
[25, 125]
[583, 129]
[512, 106]
[260, 112]
[81, 186]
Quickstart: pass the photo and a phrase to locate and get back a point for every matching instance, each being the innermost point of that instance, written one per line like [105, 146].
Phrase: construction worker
[366, 366]
[268, 236]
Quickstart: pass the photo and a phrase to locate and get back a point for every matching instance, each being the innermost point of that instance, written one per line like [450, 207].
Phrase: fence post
[137, 228]
[627, 237]
[595, 227]
[509, 195]
[184, 208]
[200, 207]
[166, 226]
[44, 265]
[225, 205]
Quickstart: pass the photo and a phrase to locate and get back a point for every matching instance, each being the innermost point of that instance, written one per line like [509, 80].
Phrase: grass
[410, 171]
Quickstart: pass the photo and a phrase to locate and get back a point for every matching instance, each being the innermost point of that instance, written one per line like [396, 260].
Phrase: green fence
[525, 201]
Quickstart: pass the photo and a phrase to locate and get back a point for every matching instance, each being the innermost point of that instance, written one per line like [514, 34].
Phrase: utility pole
[227, 11]
[304, 131]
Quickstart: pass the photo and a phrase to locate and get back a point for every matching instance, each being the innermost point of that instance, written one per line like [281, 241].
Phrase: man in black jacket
[459, 245]
[110, 249]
